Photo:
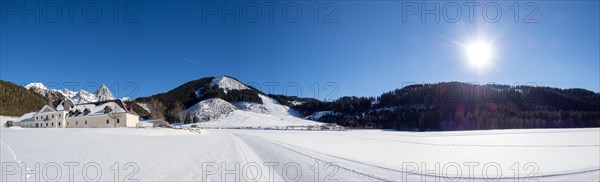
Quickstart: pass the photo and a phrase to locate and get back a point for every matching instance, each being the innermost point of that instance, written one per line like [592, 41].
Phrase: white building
[106, 114]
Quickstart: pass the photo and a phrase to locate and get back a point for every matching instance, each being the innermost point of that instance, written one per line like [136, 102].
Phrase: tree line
[461, 106]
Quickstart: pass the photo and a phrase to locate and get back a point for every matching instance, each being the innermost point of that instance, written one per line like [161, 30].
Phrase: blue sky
[364, 48]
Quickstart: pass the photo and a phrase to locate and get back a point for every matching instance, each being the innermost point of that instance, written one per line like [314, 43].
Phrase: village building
[105, 114]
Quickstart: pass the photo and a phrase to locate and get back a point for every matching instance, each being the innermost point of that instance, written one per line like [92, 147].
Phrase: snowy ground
[278, 155]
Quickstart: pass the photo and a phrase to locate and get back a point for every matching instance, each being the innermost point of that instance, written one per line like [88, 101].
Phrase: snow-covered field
[287, 155]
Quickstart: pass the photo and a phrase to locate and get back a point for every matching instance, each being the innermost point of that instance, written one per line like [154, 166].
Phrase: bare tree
[188, 118]
[179, 111]
[158, 110]
[49, 99]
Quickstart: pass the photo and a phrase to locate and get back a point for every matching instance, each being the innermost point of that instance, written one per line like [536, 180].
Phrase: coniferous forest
[460, 106]
[16, 100]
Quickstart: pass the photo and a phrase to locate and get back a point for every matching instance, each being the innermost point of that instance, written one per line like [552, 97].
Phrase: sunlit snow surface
[227, 84]
[270, 114]
[359, 155]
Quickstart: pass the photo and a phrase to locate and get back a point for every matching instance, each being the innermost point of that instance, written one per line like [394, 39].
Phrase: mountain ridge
[80, 97]
[438, 106]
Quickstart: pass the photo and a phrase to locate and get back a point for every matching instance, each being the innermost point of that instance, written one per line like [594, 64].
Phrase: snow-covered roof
[46, 108]
[117, 106]
[99, 109]
[26, 117]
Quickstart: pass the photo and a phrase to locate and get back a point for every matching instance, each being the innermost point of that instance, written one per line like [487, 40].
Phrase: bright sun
[479, 54]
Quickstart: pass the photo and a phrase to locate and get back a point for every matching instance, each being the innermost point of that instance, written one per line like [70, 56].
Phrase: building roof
[26, 117]
[95, 108]
[46, 108]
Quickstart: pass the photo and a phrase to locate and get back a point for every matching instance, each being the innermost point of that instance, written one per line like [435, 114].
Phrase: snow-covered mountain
[84, 97]
[219, 113]
[210, 109]
[228, 83]
[79, 97]
[104, 94]
[37, 87]
[227, 102]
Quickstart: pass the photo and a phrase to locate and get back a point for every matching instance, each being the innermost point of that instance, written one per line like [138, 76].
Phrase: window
[118, 121]
[46, 124]
[76, 122]
[46, 117]
[58, 123]
[85, 122]
[53, 116]
[59, 115]
[52, 124]
[67, 123]
[107, 121]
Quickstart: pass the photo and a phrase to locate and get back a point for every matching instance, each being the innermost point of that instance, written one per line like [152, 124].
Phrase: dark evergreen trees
[16, 100]
[463, 106]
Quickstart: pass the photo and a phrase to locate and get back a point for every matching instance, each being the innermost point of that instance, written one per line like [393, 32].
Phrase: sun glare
[479, 54]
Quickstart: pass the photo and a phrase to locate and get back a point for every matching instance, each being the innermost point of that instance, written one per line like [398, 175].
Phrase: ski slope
[273, 115]
[288, 155]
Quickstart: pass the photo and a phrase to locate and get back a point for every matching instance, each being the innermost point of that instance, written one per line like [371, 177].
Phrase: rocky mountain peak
[104, 94]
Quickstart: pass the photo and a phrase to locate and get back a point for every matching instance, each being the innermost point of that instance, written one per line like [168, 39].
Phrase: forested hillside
[16, 100]
[461, 106]
[195, 91]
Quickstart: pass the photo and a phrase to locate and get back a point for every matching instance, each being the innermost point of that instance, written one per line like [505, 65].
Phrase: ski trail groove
[597, 170]
[366, 175]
